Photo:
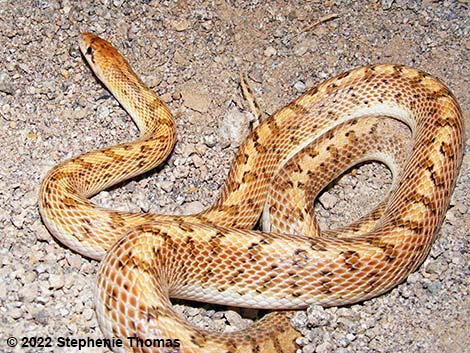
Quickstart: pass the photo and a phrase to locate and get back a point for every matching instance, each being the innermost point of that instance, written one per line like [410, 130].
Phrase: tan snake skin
[214, 256]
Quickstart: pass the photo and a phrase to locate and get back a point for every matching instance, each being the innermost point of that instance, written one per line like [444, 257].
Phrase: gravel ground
[191, 53]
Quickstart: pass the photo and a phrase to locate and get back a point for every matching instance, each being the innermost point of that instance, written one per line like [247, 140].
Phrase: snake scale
[215, 256]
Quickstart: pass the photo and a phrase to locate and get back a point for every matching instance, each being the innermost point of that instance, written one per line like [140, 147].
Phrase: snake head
[89, 44]
[102, 57]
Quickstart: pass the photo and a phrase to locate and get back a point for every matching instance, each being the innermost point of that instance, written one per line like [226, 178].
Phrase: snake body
[214, 256]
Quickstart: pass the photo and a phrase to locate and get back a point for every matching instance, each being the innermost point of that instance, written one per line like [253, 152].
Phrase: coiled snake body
[214, 256]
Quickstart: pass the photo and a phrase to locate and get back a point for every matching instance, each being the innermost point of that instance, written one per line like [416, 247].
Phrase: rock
[234, 319]
[302, 341]
[56, 281]
[16, 313]
[300, 49]
[270, 51]
[193, 207]
[166, 97]
[181, 171]
[386, 4]
[29, 292]
[18, 220]
[317, 316]
[74, 260]
[6, 85]
[299, 320]
[210, 140]
[197, 161]
[325, 347]
[299, 86]
[166, 185]
[433, 288]
[88, 314]
[195, 100]
[3, 291]
[234, 128]
[309, 348]
[41, 231]
[180, 25]
[327, 200]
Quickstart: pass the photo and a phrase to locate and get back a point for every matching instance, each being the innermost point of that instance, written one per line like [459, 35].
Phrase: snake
[259, 245]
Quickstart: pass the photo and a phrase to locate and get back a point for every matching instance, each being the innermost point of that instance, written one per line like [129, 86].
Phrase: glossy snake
[214, 256]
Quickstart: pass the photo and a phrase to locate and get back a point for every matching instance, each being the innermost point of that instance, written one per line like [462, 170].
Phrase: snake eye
[89, 50]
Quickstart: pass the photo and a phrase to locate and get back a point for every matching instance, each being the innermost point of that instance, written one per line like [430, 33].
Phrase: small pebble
[270, 51]
[196, 100]
[235, 127]
[193, 207]
[299, 86]
[180, 25]
[56, 281]
[309, 348]
[210, 140]
[6, 85]
[328, 200]
[317, 316]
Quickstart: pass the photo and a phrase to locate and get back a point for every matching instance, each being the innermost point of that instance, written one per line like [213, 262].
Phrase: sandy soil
[191, 53]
